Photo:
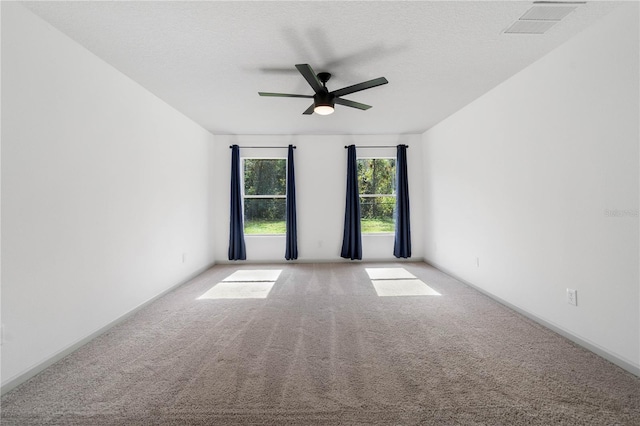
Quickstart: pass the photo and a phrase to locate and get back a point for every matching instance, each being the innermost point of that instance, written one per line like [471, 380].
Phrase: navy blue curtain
[352, 239]
[237, 249]
[402, 243]
[291, 251]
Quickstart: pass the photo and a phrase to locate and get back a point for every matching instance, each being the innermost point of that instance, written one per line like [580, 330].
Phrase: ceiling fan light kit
[323, 100]
[323, 109]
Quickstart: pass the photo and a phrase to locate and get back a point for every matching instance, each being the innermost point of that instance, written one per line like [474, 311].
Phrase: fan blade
[309, 110]
[309, 75]
[284, 95]
[360, 86]
[351, 104]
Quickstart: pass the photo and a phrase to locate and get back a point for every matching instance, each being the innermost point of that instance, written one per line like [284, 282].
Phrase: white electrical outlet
[572, 297]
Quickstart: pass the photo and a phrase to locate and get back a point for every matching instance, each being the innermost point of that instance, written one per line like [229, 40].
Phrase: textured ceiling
[209, 59]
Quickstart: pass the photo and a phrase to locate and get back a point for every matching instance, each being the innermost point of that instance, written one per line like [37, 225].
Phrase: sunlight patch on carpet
[239, 290]
[389, 273]
[246, 275]
[244, 284]
[398, 287]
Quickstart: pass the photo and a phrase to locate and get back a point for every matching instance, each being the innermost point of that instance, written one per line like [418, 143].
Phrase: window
[377, 188]
[264, 195]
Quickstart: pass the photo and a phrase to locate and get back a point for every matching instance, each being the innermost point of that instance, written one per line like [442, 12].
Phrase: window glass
[376, 185]
[264, 195]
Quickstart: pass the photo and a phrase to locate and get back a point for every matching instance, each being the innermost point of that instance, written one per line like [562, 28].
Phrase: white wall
[104, 187]
[321, 167]
[523, 178]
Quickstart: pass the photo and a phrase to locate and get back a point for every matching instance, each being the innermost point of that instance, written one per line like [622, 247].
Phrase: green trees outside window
[376, 185]
[265, 195]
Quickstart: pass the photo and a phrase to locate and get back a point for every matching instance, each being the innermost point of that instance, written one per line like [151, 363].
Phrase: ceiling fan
[324, 100]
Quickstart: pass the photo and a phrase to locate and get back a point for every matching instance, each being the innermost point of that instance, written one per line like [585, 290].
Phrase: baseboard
[303, 261]
[31, 372]
[622, 363]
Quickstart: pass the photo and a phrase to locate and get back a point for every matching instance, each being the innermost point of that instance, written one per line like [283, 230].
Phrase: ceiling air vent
[541, 17]
[530, 27]
[548, 12]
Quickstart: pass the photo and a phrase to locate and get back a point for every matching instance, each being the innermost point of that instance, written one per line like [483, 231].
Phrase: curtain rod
[294, 147]
[376, 146]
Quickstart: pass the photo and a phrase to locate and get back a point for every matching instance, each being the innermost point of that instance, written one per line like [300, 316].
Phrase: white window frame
[244, 196]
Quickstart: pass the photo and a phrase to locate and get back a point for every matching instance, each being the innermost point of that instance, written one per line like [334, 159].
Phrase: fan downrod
[324, 77]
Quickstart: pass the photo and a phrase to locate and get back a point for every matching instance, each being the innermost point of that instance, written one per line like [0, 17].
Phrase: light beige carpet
[324, 348]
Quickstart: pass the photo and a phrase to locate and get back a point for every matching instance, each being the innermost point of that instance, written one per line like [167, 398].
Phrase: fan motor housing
[324, 98]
